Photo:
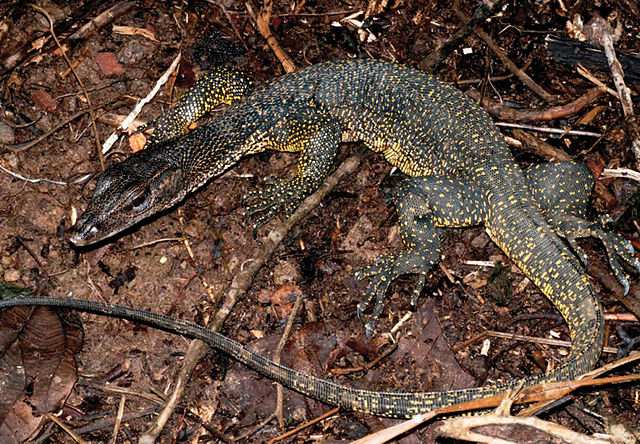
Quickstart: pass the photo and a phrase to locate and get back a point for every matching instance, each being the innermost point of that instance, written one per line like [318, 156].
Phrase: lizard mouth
[86, 232]
[84, 236]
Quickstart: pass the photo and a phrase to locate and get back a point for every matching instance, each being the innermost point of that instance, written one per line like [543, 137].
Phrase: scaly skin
[462, 175]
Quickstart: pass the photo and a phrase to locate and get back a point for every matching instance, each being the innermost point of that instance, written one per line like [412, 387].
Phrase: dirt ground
[150, 267]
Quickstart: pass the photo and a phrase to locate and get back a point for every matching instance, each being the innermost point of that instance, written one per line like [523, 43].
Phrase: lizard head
[156, 178]
[128, 192]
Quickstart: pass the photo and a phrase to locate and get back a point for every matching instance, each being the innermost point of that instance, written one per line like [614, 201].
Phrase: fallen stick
[262, 20]
[543, 129]
[535, 115]
[599, 31]
[524, 77]
[124, 126]
[480, 15]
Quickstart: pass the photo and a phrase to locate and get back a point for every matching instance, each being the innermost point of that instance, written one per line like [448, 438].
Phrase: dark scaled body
[462, 174]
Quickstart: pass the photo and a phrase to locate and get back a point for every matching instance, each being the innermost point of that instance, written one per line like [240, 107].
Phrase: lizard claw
[360, 308]
[384, 270]
[369, 329]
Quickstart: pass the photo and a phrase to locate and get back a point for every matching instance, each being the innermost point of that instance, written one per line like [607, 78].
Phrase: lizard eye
[138, 201]
[141, 201]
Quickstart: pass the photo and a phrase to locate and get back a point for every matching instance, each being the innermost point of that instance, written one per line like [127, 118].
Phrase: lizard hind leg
[424, 206]
[562, 191]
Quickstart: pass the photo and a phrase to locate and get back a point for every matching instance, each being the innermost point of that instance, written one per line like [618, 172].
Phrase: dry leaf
[137, 142]
[37, 367]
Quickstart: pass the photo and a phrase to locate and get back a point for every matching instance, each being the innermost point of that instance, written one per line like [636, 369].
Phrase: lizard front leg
[317, 136]
[221, 85]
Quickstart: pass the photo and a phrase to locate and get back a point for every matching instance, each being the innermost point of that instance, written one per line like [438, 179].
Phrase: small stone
[7, 135]
[43, 100]
[11, 275]
[12, 160]
[133, 51]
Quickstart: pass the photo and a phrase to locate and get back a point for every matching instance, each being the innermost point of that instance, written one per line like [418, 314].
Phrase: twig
[133, 114]
[329, 414]
[492, 79]
[620, 317]
[584, 72]
[156, 241]
[238, 287]
[66, 428]
[502, 55]
[515, 337]
[367, 365]
[123, 391]
[599, 31]
[549, 130]
[535, 115]
[102, 19]
[40, 179]
[624, 173]
[19, 147]
[545, 341]
[78, 79]
[116, 426]
[479, 16]
[233, 25]
[305, 14]
[277, 356]
[541, 148]
[278, 412]
[95, 426]
[262, 20]
[462, 428]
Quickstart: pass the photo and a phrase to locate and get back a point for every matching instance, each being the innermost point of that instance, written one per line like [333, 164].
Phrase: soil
[150, 266]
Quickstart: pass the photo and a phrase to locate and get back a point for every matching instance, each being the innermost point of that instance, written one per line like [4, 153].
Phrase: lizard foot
[618, 248]
[277, 195]
[382, 272]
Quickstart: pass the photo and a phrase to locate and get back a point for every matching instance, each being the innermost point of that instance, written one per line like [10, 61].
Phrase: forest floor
[183, 261]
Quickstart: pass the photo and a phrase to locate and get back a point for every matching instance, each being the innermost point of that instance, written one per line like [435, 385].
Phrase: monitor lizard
[462, 174]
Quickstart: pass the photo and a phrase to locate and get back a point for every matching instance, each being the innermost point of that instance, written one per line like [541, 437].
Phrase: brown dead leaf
[108, 64]
[37, 367]
[137, 142]
[39, 43]
[43, 100]
[283, 298]
[132, 30]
